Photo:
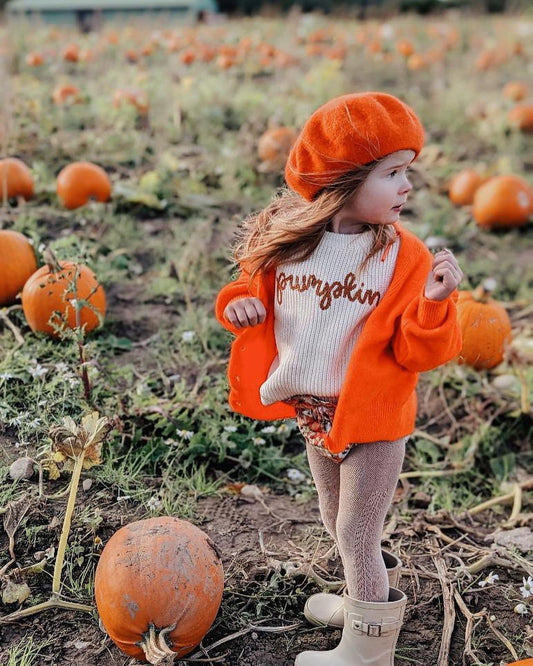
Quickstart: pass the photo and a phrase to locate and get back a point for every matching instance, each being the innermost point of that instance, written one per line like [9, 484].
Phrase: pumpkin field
[129, 157]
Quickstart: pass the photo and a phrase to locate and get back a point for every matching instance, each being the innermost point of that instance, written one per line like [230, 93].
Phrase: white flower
[6, 375]
[521, 609]
[489, 579]
[230, 428]
[17, 420]
[186, 434]
[283, 428]
[258, 440]
[188, 336]
[153, 503]
[527, 589]
[34, 423]
[268, 430]
[295, 475]
[37, 371]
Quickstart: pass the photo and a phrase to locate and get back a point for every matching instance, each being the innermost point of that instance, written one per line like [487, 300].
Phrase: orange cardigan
[406, 334]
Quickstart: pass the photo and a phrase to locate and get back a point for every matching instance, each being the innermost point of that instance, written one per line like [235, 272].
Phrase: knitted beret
[347, 132]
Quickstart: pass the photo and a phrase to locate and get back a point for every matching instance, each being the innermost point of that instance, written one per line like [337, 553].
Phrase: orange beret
[347, 132]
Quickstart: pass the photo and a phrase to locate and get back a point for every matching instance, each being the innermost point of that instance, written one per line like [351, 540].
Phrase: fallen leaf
[15, 593]
[15, 512]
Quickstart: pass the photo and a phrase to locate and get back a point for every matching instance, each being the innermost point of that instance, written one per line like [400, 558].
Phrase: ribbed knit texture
[354, 499]
[320, 308]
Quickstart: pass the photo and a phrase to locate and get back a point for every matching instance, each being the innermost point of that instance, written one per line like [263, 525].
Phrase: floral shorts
[314, 416]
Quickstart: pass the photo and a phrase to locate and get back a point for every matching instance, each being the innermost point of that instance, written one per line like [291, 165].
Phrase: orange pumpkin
[405, 48]
[15, 179]
[485, 327]
[136, 98]
[66, 93]
[463, 187]
[225, 61]
[503, 201]
[70, 53]
[522, 662]
[416, 62]
[48, 294]
[521, 116]
[188, 56]
[80, 181]
[34, 59]
[147, 50]
[17, 263]
[160, 574]
[275, 144]
[131, 55]
[515, 90]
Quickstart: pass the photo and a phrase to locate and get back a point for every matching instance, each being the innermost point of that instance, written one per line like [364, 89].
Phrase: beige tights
[354, 497]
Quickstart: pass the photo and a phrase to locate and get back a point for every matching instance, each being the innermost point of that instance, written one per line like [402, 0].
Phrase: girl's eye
[393, 173]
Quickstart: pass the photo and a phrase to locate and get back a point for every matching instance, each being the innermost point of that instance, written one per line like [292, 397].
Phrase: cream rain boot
[326, 610]
[369, 634]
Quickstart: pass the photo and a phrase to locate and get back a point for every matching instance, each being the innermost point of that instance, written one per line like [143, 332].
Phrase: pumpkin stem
[483, 291]
[51, 261]
[154, 645]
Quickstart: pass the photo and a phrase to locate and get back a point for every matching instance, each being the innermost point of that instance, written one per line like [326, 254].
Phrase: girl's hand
[245, 312]
[444, 276]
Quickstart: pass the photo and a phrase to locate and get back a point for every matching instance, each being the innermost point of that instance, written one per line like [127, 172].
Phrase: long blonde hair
[290, 227]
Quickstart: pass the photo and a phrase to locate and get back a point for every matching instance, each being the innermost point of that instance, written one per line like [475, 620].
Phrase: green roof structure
[122, 5]
[69, 11]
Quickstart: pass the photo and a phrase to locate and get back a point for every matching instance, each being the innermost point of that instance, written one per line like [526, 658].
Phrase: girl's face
[380, 198]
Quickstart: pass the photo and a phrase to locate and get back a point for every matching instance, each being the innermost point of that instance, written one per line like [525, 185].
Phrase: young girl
[336, 310]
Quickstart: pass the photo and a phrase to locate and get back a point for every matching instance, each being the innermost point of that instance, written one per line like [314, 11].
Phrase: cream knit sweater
[320, 308]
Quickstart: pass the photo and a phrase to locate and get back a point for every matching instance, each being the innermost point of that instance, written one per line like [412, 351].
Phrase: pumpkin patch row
[68, 94]
[497, 202]
[414, 47]
[77, 183]
[57, 295]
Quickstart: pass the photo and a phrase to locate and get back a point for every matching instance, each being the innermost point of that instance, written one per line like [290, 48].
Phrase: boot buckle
[368, 628]
[373, 629]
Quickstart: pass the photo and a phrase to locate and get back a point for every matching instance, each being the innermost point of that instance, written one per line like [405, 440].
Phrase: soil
[252, 535]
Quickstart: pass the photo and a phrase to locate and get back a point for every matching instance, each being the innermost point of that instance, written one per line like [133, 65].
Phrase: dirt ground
[258, 540]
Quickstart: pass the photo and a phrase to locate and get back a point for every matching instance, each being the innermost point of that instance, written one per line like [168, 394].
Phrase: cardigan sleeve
[427, 333]
[233, 291]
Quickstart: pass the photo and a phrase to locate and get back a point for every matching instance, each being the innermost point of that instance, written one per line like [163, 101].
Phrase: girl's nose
[406, 186]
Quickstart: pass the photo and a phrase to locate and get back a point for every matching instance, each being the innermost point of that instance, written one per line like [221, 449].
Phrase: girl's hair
[290, 227]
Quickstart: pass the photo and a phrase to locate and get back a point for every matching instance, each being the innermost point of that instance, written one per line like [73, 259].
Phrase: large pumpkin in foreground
[17, 263]
[48, 294]
[485, 328]
[160, 576]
